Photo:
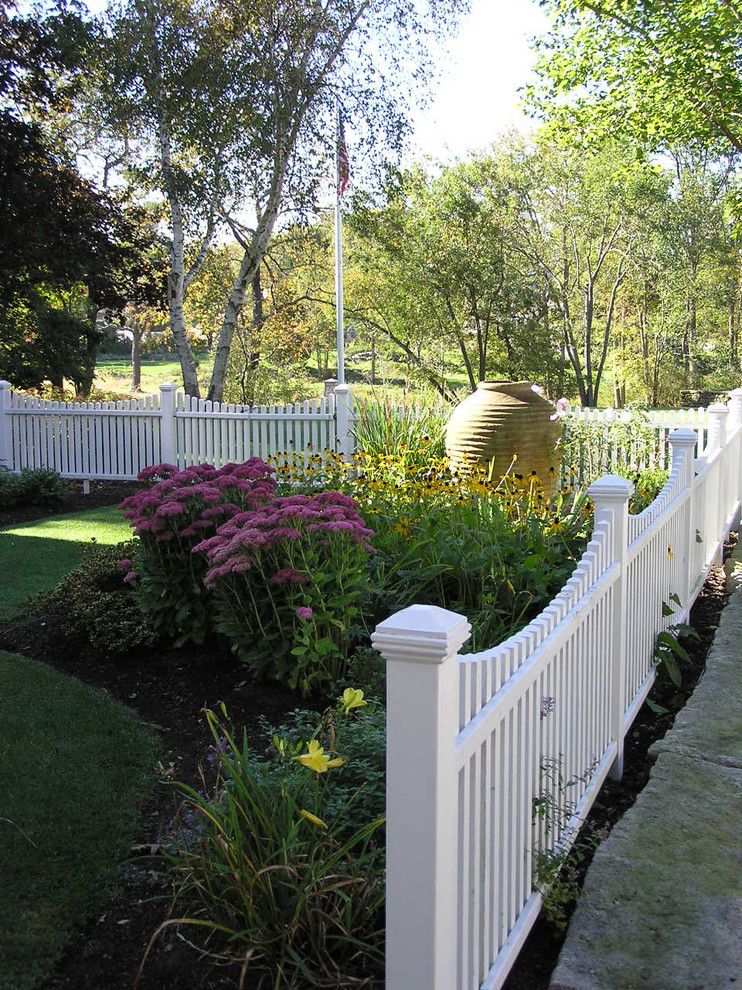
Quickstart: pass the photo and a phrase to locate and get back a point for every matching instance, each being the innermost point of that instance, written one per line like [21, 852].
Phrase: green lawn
[74, 763]
[36, 555]
[114, 374]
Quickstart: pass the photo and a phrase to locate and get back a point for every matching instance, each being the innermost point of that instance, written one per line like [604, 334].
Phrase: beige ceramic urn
[499, 420]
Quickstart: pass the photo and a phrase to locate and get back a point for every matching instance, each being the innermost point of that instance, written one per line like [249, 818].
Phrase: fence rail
[494, 758]
[115, 440]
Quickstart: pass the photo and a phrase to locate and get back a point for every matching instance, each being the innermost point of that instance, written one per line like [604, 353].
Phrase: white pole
[339, 259]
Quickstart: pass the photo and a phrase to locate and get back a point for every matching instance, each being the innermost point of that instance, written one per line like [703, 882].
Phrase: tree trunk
[251, 261]
[136, 357]
[256, 333]
[176, 300]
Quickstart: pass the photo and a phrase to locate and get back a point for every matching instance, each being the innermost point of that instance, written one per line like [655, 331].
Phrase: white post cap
[683, 437]
[719, 409]
[168, 387]
[421, 634]
[611, 488]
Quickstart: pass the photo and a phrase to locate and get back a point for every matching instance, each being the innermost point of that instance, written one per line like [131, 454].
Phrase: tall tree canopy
[229, 109]
[65, 248]
[665, 72]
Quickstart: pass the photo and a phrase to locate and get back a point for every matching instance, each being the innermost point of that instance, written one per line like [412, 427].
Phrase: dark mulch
[539, 955]
[168, 689]
[102, 493]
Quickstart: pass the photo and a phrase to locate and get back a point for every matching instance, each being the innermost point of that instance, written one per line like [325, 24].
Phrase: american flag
[343, 162]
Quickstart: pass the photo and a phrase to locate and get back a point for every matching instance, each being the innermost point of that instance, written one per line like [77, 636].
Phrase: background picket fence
[115, 440]
[494, 758]
[600, 441]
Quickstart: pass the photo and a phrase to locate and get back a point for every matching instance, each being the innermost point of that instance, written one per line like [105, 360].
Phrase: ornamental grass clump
[275, 860]
[287, 581]
[175, 511]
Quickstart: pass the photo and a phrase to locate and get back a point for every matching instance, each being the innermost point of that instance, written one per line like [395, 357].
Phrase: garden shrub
[274, 858]
[93, 604]
[287, 581]
[32, 486]
[177, 510]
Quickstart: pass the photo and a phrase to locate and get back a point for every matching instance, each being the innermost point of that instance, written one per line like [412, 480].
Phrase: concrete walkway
[661, 908]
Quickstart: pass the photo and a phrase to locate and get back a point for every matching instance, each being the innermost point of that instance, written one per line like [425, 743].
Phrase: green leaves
[661, 73]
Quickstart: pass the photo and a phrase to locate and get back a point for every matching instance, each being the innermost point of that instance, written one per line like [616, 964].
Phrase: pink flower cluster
[191, 503]
[294, 518]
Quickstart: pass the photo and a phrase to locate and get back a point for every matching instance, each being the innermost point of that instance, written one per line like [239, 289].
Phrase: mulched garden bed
[168, 689]
[102, 493]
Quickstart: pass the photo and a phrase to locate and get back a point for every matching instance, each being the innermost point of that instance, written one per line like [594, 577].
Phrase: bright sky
[477, 93]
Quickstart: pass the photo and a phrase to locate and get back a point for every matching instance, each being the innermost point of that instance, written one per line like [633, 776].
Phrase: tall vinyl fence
[494, 758]
[115, 440]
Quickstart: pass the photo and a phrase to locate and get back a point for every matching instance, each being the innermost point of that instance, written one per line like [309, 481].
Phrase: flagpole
[339, 259]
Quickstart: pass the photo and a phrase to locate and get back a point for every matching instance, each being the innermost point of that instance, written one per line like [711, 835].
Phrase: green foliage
[473, 557]
[171, 593]
[279, 864]
[557, 860]
[32, 486]
[669, 652]
[94, 605]
[415, 434]
[293, 615]
[361, 780]
[647, 486]
[661, 73]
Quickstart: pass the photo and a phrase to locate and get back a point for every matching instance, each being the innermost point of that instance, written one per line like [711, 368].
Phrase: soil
[102, 493]
[168, 689]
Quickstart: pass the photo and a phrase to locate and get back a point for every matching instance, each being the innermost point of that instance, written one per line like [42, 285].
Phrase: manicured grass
[73, 765]
[35, 556]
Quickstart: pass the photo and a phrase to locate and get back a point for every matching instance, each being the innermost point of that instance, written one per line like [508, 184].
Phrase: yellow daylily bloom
[312, 818]
[317, 759]
[353, 698]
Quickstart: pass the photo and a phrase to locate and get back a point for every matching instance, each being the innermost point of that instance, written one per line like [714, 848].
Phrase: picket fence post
[168, 452]
[717, 440]
[735, 408]
[611, 495]
[345, 441]
[735, 424]
[683, 443]
[4, 424]
[717, 430]
[421, 644]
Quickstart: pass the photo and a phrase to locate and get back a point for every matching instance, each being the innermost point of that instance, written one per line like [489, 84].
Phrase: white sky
[477, 96]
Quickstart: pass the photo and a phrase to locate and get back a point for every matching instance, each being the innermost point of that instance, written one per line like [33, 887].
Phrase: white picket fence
[598, 441]
[477, 743]
[115, 440]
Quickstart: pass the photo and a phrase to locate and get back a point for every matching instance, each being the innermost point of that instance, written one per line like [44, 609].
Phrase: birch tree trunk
[251, 260]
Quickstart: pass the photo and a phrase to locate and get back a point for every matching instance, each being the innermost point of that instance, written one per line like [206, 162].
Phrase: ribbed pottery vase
[501, 419]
